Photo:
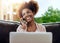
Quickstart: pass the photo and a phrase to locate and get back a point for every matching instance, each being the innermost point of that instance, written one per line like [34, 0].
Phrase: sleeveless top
[40, 28]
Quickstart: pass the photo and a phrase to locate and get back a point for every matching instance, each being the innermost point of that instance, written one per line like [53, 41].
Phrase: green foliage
[51, 15]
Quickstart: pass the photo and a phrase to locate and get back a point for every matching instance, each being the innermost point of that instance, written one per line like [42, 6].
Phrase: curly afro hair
[32, 5]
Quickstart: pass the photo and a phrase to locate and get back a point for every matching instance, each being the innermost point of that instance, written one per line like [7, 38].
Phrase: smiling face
[27, 15]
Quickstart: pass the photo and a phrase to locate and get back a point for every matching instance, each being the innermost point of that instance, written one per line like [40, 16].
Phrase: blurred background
[49, 10]
[48, 15]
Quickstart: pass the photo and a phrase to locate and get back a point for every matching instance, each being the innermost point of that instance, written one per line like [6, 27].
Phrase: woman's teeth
[28, 17]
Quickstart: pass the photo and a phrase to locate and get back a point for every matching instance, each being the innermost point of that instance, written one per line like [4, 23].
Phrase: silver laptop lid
[30, 37]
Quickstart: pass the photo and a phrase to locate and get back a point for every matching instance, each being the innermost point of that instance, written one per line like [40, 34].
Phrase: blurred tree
[51, 15]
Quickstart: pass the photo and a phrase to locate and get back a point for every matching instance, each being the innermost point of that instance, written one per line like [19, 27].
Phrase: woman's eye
[23, 14]
[28, 12]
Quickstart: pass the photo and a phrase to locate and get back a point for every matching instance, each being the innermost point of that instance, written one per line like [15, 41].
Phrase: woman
[26, 13]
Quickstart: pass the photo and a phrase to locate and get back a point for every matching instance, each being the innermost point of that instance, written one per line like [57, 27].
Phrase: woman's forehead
[25, 10]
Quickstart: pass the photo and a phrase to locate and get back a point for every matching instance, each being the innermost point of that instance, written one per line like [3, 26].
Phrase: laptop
[30, 37]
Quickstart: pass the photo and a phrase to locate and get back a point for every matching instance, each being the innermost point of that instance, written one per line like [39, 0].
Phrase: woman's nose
[26, 14]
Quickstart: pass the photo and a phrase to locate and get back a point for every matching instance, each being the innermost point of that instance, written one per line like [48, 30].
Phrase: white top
[40, 28]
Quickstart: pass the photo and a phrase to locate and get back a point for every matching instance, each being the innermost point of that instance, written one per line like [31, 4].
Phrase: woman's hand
[23, 24]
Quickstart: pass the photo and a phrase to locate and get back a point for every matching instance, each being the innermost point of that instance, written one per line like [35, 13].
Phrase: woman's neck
[31, 24]
[31, 27]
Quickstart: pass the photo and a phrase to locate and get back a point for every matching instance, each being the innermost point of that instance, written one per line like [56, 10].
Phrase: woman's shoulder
[41, 27]
[19, 29]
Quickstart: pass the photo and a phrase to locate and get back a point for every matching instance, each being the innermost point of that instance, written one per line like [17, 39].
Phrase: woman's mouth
[28, 18]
